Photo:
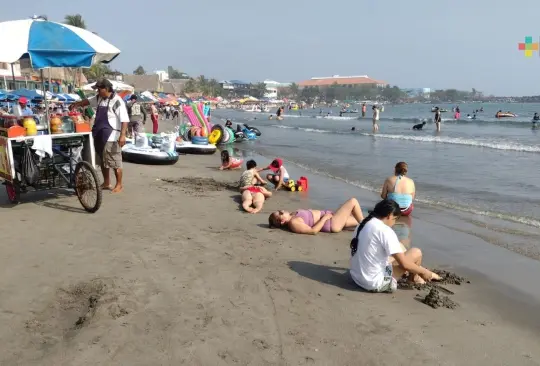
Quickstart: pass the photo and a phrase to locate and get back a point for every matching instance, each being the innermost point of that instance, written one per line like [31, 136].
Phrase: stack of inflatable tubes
[189, 147]
[196, 140]
[148, 155]
[214, 137]
[226, 134]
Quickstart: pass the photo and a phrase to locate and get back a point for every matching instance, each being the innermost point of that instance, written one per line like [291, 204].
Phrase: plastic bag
[141, 140]
[168, 143]
[30, 169]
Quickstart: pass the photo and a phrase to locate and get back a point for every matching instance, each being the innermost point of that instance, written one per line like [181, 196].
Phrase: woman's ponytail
[381, 210]
[354, 241]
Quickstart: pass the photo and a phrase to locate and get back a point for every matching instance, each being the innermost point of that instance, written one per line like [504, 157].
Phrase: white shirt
[284, 172]
[117, 113]
[376, 243]
[375, 114]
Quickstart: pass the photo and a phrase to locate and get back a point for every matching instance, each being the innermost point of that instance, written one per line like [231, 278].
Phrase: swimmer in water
[353, 129]
[536, 118]
[438, 119]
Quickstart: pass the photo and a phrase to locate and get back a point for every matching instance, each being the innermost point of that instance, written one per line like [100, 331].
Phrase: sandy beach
[171, 272]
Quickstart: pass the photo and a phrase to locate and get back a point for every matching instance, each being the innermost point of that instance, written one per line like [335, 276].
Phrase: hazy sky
[419, 43]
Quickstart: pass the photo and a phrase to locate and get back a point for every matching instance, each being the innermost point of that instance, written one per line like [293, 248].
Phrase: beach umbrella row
[36, 95]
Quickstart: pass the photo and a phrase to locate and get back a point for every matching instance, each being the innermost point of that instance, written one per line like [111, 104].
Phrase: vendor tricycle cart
[70, 166]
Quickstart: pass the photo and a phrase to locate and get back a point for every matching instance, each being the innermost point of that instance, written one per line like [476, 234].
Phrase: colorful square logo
[528, 47]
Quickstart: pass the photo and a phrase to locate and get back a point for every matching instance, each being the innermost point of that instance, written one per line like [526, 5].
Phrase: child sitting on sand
[229, 163]
[250, 177]
[280, 176]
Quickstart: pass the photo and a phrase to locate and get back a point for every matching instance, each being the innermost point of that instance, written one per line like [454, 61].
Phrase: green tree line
[393, 94]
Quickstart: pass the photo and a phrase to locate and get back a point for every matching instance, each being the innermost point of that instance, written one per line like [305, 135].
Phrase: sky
[421, 43]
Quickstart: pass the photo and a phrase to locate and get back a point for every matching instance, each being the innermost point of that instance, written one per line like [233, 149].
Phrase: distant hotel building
[348, 81]
[272, 88]
[417, 92]
[240, 87]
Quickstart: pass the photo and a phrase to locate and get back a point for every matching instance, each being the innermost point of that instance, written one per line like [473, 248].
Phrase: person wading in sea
[438, 119]
[375, 119]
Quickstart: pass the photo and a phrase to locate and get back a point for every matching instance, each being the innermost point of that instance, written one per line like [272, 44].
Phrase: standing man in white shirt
[109, 131]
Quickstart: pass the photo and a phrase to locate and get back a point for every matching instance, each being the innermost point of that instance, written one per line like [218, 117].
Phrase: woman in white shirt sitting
[378, 260]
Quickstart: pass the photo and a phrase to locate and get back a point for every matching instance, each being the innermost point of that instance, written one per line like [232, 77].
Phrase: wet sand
[171, 272]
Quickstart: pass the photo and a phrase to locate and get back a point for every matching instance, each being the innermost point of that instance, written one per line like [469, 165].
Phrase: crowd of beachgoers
[378, 259]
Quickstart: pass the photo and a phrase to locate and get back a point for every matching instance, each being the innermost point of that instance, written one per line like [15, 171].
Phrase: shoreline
[181, 275]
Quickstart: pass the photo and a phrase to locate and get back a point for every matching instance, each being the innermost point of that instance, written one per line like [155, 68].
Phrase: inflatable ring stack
[215, 136]
[197, 145]
[195, 140]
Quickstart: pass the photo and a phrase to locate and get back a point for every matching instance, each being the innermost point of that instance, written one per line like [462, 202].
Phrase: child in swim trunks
[280, 176]
[250, 178]
[227, 162]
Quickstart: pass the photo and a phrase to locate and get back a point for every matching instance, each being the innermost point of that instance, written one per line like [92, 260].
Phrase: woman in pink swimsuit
[349, 215]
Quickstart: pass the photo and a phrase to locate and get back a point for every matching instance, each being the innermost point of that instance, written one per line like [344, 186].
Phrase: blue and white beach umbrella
[50, 44]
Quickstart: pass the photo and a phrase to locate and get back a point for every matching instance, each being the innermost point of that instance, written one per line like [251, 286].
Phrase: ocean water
[486, 167]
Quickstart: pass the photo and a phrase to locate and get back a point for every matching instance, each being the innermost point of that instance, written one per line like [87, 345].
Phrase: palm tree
[97, 71]
[295, 90]
[139, 71]
[78, 21]
[202, 85]
[190, 86]
[75, 21]
[215, 88]
[258, 90]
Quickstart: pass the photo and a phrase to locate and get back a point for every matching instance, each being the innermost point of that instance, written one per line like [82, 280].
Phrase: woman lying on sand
[315, 221]
[374, 242]
[252, 197]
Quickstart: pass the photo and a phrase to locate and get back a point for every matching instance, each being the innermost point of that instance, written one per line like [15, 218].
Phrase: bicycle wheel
[87, 187]
[13, 191]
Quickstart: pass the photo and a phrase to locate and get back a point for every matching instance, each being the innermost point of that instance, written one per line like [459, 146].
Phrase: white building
[5, 69]
[162, 74]
[272, 88]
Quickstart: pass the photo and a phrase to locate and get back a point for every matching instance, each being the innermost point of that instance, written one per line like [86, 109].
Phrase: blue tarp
[7, 96]
[60, 97]
[68, 98]
[27, 93]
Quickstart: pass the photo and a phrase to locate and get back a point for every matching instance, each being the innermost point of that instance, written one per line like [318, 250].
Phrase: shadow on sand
[335, 276]
[43, 198]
